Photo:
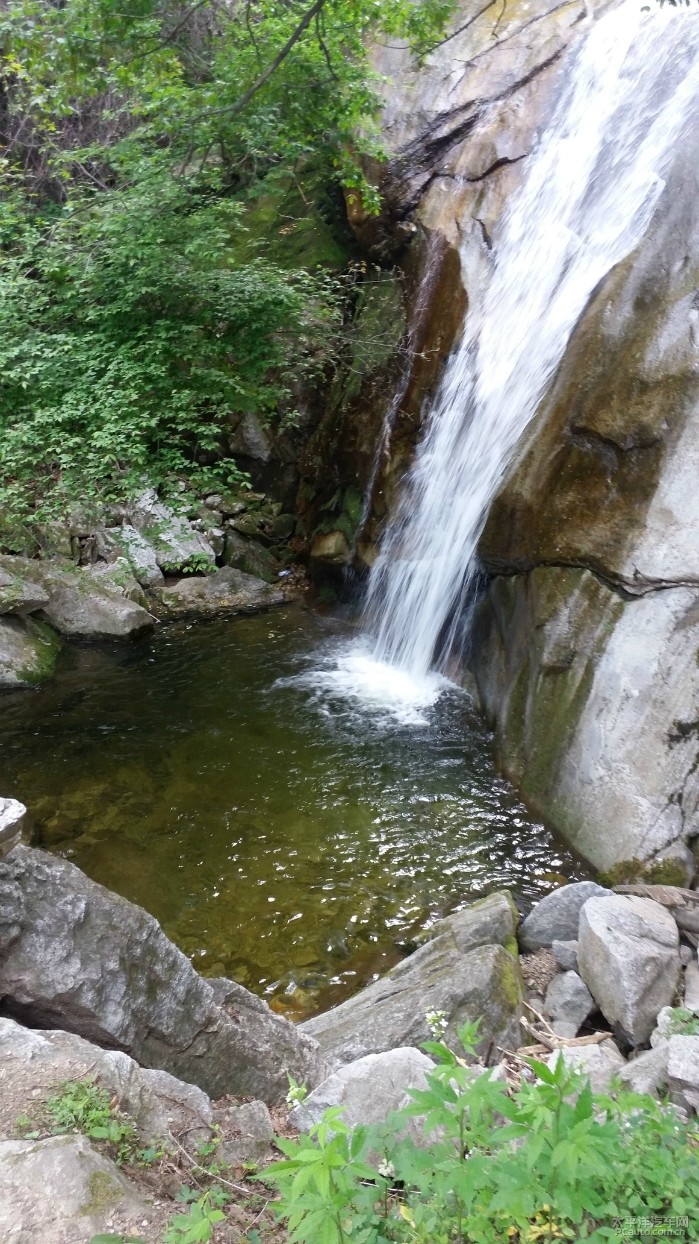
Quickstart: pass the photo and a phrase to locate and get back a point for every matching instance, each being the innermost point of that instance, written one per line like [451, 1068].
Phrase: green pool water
[292, 840]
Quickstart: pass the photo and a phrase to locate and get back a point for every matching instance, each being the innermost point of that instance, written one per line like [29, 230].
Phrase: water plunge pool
[283, 835]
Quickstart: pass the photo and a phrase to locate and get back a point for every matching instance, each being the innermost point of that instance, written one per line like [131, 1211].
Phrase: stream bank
[602, 971]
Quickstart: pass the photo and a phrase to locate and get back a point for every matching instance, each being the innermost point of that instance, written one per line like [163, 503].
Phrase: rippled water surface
[284, 834]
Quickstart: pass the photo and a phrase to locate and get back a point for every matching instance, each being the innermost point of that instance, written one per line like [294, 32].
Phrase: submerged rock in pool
[464, 971]
[226, 589]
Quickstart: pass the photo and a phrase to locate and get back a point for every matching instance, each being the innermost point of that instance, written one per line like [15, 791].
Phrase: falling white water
[588, 196]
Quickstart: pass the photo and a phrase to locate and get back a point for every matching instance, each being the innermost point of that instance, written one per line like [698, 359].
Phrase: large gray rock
[568, 1001]
[224, 590]
[566, 954]
[590, 675]
[601, 1063]
[683, 1071]
[126, 541]
[249, 1133]
[61, 1191]
[20, 594]
[250, 556]
[177, 546]
[629, 959]
[648, 1072]
[78, 602]
[368, 1090]
[250, 440]
[28, 651]
[12, 814]
[691, 986]
[461, 972]
[117, 576]
[33, 1066]
[90, 962]
[556, 915]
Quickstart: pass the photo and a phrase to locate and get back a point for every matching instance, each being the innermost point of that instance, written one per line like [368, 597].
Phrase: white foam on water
[350, 676]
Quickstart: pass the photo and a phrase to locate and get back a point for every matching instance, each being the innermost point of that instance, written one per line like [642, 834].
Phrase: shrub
[547, 1160]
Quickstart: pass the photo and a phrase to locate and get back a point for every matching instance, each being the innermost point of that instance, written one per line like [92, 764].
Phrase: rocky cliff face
[456, 131]
[587, 643]
[585, 650]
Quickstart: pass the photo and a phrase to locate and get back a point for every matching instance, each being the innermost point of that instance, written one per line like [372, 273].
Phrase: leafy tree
[136, 316]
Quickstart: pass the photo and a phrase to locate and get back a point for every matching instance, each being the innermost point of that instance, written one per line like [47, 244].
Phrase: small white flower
[437, 1023]
[386, 1168]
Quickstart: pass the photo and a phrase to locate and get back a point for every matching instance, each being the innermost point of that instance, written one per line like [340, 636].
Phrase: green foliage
[647, 872]
[197, 1224]
[683, 1022]
[144, 143]
[117, 1239]
[297, 1092]
[549, 1160]
[83, 1107]
[124, 352]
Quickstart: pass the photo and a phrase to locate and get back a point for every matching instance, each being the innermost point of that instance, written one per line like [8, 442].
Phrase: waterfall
[589, 192]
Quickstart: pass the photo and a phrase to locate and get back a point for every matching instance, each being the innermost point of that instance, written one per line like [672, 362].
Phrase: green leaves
[137, 315]
[204, 1213]
[128, 340]
[549, 1160]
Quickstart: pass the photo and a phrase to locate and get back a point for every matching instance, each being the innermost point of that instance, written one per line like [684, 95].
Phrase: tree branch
[234, 109]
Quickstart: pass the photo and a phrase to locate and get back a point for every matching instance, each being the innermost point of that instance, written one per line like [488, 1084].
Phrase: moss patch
[104, 1193]
[653, 872]
[47, 646]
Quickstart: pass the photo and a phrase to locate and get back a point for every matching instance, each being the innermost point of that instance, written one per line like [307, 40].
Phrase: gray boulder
[665, 1027]
[33, 1066]
[555, 917]
[176, 544]
[600, 1063]
[463, 971]
[126, 541]
[647, 1073]
[253, 1133]
[87, 961]
[691, 986]
[566, 955]
[12, 814]
[61, 1191]
[568, 1001]
[368, 1090]
[683, 1071]
[250, 556]
[117, 576]
[250, 440]
[28, 652]
[224, 590]
[78, 603]
[20, 594]
[629, 960]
